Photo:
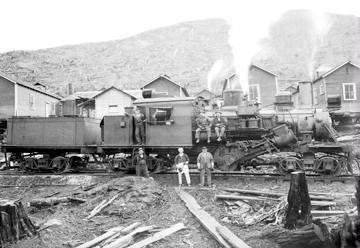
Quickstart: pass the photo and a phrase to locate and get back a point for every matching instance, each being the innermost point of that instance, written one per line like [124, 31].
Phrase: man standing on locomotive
[141, 164]
[182, 166]
[203, 123]
[220, 125]
[139, 126]
[205, 162]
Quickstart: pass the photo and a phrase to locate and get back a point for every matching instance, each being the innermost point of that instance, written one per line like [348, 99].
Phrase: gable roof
[263, 69]
[204, 90]
[29, 86]
[135, 93]
[81, 95]
[113, 87]
[335, 69]
[170, 80]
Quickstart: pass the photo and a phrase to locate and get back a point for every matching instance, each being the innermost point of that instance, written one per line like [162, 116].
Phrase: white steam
[215, 74]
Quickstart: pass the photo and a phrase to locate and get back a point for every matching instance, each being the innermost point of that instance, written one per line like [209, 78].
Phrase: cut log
[159, 235]
[275, 194]
[14, 222]
[313, 235]
[51, 201]
[126, 240]
[208, 222]
[323, 203]
[298, 212]
[331, 212]
[241, 197]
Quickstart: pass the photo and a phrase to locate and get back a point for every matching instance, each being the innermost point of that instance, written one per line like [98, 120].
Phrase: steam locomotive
[58, 143]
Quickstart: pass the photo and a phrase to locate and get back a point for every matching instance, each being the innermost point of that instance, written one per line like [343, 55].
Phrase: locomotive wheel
[327, 165]
[226, 156]
[117, 164]
[31, 164]
[59, 164]
[290, 164]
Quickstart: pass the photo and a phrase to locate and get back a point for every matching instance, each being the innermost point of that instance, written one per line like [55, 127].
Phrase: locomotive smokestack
[70, 89]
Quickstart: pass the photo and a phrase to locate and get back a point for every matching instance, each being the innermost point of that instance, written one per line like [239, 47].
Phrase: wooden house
[338, 89]
[24, 99]
[164, 84]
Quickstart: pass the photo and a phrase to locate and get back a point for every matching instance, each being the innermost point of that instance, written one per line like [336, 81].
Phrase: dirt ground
[163, 210]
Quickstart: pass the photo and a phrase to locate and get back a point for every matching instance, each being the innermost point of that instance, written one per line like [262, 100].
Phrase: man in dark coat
[141, 164]
[139, 126]
[203, 123]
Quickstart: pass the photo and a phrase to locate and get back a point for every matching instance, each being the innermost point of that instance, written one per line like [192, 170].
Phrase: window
[349, 91]
[32, 101]
[113, 108]
[160, 116]
[316, 96]
[254, 92]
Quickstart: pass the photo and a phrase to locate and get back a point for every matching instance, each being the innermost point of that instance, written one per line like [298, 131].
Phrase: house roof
[135, 93]
[335, 69]
[110, 88]
[29, 86]
[81, 95]
[164, 99]
[263, 69]
[170, 80]
[204, 90]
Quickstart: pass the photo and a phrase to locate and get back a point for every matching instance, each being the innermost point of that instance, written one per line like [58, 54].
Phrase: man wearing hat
[203, 123]
[140, 163]
[220, 125]
[205, 163]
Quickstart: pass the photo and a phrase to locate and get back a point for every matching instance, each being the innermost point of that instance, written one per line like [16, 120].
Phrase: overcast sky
[36, 24]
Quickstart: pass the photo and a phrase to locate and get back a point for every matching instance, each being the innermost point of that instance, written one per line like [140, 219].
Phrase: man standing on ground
[182, 166]
[141, 165]
[205, 163]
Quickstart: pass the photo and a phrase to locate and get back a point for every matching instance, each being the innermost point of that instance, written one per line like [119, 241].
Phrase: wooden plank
[101, 238]
[159, 235]
[241, 197]
[275, 194]
[208, 222]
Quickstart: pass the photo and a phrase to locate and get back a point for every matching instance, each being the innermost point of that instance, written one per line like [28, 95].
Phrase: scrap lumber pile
[122, 197]
[131, 236]
[14, 222]
[248, 207]
[221, 233]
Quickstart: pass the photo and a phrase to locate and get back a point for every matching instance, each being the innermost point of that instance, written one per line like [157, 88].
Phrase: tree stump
[298, 212]
[14, 222]
[357, 194]
[313, 235]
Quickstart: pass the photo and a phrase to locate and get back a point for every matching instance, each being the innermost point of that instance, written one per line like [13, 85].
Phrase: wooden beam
[209, 223]
[159, 235]
[241, 197]
[275, 194]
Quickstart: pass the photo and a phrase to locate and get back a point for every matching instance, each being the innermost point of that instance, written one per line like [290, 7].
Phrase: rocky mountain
[186, 52]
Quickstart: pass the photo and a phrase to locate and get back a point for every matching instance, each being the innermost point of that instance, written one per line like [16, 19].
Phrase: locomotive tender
[170, 124]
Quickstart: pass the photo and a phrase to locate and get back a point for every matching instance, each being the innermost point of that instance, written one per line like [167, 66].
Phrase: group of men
[204, 124]
[205, 163]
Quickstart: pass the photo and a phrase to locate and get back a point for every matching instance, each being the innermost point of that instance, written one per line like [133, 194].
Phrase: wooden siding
[266, 82]
[163, 85]
[7, 98]
[333, 85]
[111, 98]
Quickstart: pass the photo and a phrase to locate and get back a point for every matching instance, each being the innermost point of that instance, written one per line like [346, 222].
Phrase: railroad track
[238, 174]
